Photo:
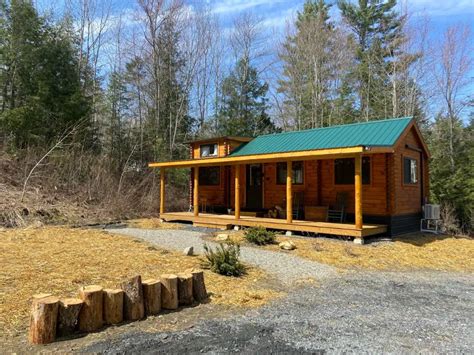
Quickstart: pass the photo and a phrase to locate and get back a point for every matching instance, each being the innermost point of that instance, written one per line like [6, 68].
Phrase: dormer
[215, 147]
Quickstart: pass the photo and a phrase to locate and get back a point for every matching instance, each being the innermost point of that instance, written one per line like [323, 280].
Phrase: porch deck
[224, 221]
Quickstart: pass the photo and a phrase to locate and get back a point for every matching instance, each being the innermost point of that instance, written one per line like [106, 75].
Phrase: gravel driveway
[361, 312]
[286, 267]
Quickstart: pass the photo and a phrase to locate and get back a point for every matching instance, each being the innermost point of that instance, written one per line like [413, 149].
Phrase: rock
[188, 251]
[223, 237]
[288, 245]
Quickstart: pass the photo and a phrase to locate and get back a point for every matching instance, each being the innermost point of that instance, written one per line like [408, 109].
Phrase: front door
[254, 187]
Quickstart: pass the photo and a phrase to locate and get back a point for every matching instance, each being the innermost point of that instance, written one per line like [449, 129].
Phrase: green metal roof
[380, 133]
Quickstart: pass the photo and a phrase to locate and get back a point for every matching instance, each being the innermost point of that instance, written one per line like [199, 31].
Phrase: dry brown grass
[153, 223]
[59, 260]
[421, 252]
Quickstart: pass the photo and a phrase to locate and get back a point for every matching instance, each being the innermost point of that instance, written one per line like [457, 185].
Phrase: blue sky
[442, 12]
[275, 14]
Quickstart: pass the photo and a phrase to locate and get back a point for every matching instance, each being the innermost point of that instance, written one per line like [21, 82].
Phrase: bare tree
[451, 69]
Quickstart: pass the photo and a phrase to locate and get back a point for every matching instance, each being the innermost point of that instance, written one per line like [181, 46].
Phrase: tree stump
[185, 289]
[152, 296]
[113, 306]
[68, 318]
[199, 286]
[43, 319]
[169, 291]
[91, 314]
[133, 306]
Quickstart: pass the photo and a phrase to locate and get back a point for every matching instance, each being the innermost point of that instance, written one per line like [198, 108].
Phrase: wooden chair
[297, 205]
[337, 213]
[204, 205]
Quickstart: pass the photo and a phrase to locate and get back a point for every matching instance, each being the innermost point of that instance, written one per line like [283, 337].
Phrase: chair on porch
[337, 213]
[298, 203]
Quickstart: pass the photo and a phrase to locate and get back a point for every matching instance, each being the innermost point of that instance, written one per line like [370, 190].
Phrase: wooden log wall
[52, 317]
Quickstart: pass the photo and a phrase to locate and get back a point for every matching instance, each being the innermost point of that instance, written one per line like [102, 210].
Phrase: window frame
[293, 175]
[366, 158]
[216, 147]
[417, 171]
[201, 169]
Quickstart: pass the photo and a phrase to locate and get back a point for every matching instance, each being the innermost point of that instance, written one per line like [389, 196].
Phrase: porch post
[162, 191]
[358, 191]
[196, 191]
[289, 194]
[237, 191]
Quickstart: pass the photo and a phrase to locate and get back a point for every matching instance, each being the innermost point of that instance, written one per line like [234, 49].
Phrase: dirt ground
[59, 260]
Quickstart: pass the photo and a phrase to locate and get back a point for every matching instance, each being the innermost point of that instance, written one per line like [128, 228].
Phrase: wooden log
[152, 296]
[358, 191]
[199, 286]
[169, 291]
[289, 192]
[196, 192]
[91, 314]
[237, 191]
[113, 306]
[43, 319]
[133, 306]
[185, 289]
[69, 309]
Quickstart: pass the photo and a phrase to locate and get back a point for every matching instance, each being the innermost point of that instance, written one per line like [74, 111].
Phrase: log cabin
[355, 180]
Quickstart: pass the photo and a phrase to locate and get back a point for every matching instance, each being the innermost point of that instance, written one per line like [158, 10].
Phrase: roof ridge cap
[336, 126]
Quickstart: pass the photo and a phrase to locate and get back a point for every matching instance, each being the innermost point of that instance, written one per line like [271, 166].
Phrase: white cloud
[233, 6]
[442, 7]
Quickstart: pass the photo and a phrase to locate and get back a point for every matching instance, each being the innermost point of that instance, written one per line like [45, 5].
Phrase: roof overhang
[274, 157]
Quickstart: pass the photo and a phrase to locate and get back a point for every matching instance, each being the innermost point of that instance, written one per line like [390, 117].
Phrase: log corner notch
[358, 191]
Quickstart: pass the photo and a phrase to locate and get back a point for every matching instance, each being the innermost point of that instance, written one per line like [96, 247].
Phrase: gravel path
[286, 267]
[354, 313]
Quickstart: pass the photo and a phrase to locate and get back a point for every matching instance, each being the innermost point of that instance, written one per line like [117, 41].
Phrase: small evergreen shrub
[260, 236]
[224, 259]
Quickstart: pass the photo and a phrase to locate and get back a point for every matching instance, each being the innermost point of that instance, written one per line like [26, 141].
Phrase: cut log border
[96, 306]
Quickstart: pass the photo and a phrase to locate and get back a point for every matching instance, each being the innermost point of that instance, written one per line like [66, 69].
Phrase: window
[210, 176]
[298, 173]
[344, 171]
[410, 171]
[209, 150]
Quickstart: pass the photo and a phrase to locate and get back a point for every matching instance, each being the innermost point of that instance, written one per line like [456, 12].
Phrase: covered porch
[235, 214]
[222, 221]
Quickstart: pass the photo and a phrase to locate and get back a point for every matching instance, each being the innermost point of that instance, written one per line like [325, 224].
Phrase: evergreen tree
[378, 31]
[41, 91]
[315, 85]
[243, 111]
[453, 185]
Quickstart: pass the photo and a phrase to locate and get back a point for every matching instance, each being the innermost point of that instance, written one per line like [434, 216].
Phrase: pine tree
[243, 111]
[315, 86]
[41, 92]
[453, 185]
[378, 31]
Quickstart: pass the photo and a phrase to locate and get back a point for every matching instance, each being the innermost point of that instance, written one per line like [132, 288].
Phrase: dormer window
[208, 150]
